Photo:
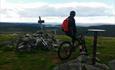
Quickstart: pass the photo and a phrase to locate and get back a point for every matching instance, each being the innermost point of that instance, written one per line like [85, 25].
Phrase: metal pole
[94, 48]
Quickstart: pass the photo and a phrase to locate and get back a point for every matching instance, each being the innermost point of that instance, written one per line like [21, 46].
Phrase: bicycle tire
[67, 49]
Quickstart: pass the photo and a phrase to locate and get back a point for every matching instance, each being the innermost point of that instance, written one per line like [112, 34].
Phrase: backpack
[64, 25]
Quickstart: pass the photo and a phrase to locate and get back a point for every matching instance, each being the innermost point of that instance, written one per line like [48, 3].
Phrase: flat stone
[64, 66]
[74, 66]
[102, 66]
[112, 64]
[91, 67]
[81, 63]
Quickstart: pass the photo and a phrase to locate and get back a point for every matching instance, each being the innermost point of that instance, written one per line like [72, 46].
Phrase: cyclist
[71, 26]
[72, 30]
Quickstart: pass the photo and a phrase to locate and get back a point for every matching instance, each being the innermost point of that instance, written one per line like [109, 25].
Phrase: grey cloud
[52, 11]
[43, 11]
[93, 11]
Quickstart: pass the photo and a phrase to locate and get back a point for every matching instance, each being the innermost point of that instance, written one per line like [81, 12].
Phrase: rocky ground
[84, 63]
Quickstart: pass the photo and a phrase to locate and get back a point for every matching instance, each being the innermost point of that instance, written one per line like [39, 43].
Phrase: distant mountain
[109, 29]
[18, 27]
[32, 27]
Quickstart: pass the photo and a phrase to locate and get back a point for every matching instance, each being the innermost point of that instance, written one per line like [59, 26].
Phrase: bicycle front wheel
[64, 51]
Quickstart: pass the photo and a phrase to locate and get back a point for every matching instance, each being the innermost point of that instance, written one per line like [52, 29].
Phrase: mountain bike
[38, 40]
[67, 47]
[42, 40]
[47, 41]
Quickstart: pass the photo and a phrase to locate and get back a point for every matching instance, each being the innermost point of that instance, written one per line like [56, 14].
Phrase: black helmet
[72, 13]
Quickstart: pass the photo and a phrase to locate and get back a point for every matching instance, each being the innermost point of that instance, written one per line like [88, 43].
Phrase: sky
[55, 11]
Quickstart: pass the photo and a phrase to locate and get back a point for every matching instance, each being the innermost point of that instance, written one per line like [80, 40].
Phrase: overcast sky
[87, 11]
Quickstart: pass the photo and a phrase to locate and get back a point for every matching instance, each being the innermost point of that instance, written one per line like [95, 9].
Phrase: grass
[5, 37]
[46, 60]
[40, 60]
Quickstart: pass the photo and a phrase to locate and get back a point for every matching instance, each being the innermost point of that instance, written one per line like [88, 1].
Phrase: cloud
[82, 9]
[46, 9]
[8, 12]
[87, 12]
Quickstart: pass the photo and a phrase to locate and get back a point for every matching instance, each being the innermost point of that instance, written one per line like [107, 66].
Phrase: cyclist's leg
[71, 35]
[73, 38]
[83, 43]
[83, 49]
[80, 46]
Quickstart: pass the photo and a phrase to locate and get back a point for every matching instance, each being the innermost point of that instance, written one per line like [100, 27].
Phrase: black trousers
[72, 35]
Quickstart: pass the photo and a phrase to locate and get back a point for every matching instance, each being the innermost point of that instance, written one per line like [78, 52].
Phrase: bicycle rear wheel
[64, 51]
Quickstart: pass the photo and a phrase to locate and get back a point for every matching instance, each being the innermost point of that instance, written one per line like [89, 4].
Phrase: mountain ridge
[32, 27]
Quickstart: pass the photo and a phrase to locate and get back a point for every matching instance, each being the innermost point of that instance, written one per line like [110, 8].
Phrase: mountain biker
[72, 30]
[71, 26]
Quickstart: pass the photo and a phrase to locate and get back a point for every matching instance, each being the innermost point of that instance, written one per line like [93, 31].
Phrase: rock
[74, 66]
[91, 67]
[102, 66]
[64, 66]
[112, 64]
[74, 61]
[81, 63]
[84, 59]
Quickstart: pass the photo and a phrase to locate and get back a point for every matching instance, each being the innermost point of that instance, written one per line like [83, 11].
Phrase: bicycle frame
[67, 47]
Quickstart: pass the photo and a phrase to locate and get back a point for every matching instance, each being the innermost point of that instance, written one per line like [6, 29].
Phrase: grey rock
[81, 63]
[64, 66]
[112, 64]
[101, 66]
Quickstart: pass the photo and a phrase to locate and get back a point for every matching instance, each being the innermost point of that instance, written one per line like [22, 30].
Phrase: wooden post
[40, 22]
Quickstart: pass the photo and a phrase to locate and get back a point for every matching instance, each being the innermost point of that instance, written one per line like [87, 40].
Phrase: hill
[109, 29]
[6, 27]
[18, 27]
